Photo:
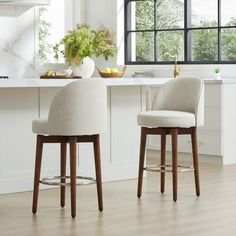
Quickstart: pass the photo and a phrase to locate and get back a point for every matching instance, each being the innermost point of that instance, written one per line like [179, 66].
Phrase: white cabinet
[18, 107]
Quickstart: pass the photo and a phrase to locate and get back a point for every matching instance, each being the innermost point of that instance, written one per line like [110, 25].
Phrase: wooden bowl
[112, 75]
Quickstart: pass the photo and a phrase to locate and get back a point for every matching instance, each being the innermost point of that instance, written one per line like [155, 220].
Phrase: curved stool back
[177, 109]
[78, 113]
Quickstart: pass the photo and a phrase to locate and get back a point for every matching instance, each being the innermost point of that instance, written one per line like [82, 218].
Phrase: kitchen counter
[24, 100]
[46, 83]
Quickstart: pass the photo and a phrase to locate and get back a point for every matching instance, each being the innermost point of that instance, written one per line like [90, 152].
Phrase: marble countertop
[45, 83]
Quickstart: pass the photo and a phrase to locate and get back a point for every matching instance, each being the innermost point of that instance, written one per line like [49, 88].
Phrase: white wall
[110, 14]
[17, 40]
[17, 45]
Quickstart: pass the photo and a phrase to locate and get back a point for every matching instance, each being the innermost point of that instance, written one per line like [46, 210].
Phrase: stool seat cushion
[40, 126]
[166, 118]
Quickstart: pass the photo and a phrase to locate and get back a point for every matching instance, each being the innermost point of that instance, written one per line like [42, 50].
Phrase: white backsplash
[17, 41]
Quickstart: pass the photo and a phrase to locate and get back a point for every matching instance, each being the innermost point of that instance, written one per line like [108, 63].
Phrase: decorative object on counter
[111, 73]
[176, 68]
[65, 74]
[217, 74]
[142, 74]
[83, 43]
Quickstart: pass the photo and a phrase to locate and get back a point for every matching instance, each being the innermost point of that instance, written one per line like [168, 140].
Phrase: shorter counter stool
[177, 109]
[78, 113]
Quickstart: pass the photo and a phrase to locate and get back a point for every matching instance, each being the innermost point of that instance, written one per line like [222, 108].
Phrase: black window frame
[187, 38]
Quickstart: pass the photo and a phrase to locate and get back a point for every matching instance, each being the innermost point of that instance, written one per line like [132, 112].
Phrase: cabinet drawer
[213, 95]
[212, 119]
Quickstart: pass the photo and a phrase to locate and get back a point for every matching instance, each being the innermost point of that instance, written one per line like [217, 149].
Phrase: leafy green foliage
[229, 42]
[217, 70]
[45, 47]
[170, 15]
[204, 43]
[83, 42]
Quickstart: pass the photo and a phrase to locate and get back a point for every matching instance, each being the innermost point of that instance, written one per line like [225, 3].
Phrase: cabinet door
[18, 108]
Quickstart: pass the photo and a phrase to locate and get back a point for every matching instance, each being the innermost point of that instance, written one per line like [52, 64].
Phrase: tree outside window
[197, 31]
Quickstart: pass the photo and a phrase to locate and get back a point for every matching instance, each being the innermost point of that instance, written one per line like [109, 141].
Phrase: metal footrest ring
[52, 180]
[167, 168]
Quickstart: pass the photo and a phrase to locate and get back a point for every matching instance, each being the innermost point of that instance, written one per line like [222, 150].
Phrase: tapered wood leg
[174, 136]
[163, 160]
[195, 160]
[73, 156]
[37, 170]
[141, 160]
[63, 172]
[97, 159]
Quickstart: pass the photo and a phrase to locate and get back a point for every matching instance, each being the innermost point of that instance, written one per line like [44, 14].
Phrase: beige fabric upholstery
[166, 119]
[79, 108]
[179, 103]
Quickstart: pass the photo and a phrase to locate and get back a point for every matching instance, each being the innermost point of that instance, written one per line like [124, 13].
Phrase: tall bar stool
[177, 109]
[78, 113]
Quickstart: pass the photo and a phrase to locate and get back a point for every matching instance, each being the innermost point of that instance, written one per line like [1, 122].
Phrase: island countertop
[46, 83]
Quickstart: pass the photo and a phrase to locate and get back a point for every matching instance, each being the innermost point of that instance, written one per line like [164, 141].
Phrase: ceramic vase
[85, 69]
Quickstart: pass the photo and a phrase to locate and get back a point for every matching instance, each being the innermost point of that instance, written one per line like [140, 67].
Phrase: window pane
[204, 45]
[170, 14]
[51, 29]
[170, 43]
[204, 13]
[142, 46]
[228, 8]
[142, 15]
[228, 44]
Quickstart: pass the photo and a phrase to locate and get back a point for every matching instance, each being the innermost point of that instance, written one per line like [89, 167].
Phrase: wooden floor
[211, 214]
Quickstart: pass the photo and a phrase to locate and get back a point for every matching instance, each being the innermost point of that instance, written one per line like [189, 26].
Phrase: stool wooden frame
[72, 140]
[174, 132]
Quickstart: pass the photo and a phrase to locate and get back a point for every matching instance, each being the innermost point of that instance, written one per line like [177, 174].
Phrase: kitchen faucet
[176, 68]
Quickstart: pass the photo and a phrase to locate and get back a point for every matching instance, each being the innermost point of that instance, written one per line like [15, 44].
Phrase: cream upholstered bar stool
[177, 109]
[78, 113]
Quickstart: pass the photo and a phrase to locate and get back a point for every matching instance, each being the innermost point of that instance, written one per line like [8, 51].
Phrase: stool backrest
[80, 108]
[185, 94]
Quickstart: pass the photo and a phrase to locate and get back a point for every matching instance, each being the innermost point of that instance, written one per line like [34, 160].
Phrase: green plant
[45, 48]
[84, 42]
[217, 70]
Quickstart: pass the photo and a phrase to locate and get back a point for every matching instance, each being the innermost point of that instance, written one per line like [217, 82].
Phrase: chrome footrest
[53, 180]
[167, 168]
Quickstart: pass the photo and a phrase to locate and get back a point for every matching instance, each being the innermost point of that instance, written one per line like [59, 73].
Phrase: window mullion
[155, 27]
[187, 32]
[219, 30]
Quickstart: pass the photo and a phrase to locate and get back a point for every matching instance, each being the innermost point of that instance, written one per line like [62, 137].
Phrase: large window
[53, 23]
[195, 31]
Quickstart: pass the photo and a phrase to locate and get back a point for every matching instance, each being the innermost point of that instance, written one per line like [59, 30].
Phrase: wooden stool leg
[37, 170]
[73, 156]
[97, 159]
[174, 136]
[141, 160]
[195, 160]
[63, 172]
[163, 160]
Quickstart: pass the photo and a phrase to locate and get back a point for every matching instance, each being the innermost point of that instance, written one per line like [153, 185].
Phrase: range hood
[25, 2]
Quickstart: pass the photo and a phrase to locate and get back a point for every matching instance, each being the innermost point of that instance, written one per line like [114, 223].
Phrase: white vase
[85, 69]
[217, 76]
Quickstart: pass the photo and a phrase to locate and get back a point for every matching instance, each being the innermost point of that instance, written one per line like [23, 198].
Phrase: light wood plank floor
[212, 214]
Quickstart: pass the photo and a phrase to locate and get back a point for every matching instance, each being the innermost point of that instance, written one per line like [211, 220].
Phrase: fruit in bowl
[111, 72]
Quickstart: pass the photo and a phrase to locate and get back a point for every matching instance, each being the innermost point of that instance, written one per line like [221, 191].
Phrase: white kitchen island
[23, 100]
